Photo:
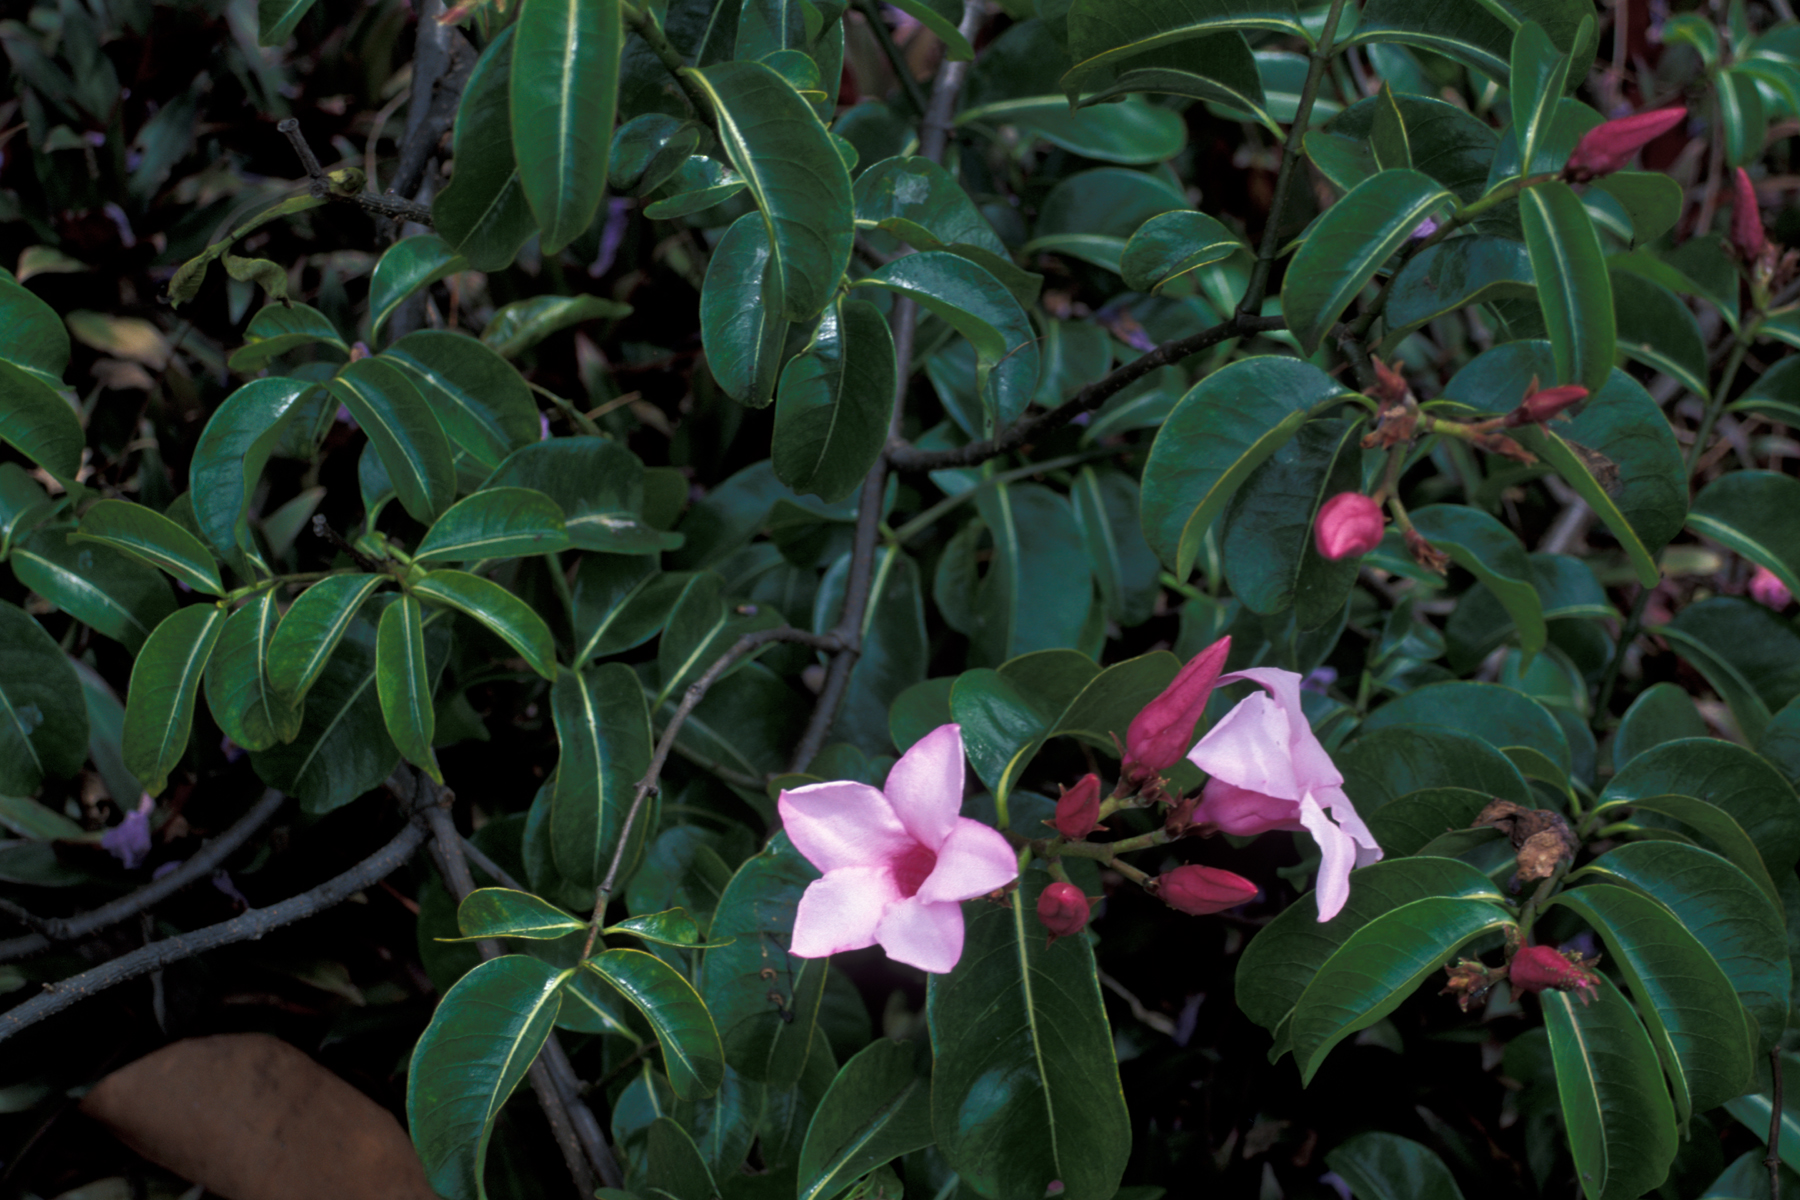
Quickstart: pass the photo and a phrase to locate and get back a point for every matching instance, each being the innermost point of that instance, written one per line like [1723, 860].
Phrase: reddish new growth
[1535, 968]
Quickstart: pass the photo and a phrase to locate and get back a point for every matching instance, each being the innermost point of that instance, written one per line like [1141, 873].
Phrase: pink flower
[897, 863]
[1198, 890]
[129, 840]
[1541, 406]
[1349, 524]
[1063, 910]
[1159, 735]
[1608, 147]
[1766, 588]
[1747, 236]
[1270, 772]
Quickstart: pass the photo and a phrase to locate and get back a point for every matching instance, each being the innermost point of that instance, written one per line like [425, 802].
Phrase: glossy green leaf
[795, 175]
[1172, 245]
[43, 718]
[598, 484]
[1419, 821]
[603, 729]
[1753, 1110]
[1508, 720]
[699, 184]
[1655, 328]
[564, 91]
[1573, 285]
[1453, 275]
[942, 24]
[877, 1109]
[621, 601]
[115, 595]
[1749, 655]
[1743, 510]
[1651, 198]
[309, 633]
[496, 522]
[742, 334]
[1620, 1122]
[1349, 244]
[1662, 712]
[1742, 116]
[671, 928]
[1035, 594]
[1106, 510]
[496, 912]
[1726, 776]
[690, 1043]
[23, 503]
[231, 453]
[1446, 142]
[1464, 33]
[1017, 1010]
[701, 627]
[1534, 86]
[748, 723]
[647, 150]
[1737, 923]
[243, 701]
[403, 683]
[481, 401]
[404, 433]
[1684, 997]
[481, 1041]
[522, 324]
[404, 268]
[278, 329]
[1378, 966]
[507, 616]
[677, 1169]
[894, 645]
[482, 212]
[1221, 431]
[1401, 759]
[37, 341]
[1102, 35]
[34, 418]
[1385, 1166]
[1493, 554]
[153, 539]
[922, 204]
[159, 709]
[834, 401]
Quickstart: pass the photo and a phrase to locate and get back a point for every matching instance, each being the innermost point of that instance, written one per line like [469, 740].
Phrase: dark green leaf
[243, 701]
[116, 595]
[509, 617]
[496, 522]
[690, 1043]
[598, 484]
[403, 683]
[493, 912]
[922, 204]
[564, 85]
[1421, 820]
[835, 398]
[894, 646]
[1749, 655]
[1465, 33]
[1401, 759]
[1728, 777]
[621, 601]
[308, 635]
[1446, 142]
[482, 403]
[404, 268]
[1102, 34]
[1493, 554]
[1743, 511]
[742, 334]
[1453, 275]
[1106, 510]
[1662, 713]
[1037, 591]
[1655, 328]
[404, 433]
[159, 709]
[43, 718]
[1573, 285]
[677, 1170]
[1169, 246]
[231, 453]
[153, 539]
[877, 1109]
[482, 213]
[1509, 721]
[671, 928]
[1538, 74]
[522, 324]
[603, 729]
[280, 328]
[276, 20]
[1384, 1166]
[1745, 124]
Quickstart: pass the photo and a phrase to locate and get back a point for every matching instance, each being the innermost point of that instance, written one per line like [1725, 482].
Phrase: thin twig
[200, 866]
[884, 38]
[246, 927]
[934, 133]
[325, 188]
[642, 21]
[494, 870]
[290, 129]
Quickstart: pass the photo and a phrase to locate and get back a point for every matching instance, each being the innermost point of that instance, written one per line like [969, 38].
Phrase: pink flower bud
[1747, 236]
[1197, 890]
[1535, 968]
[1078, 812]
[1766, 588]
[1163, 732]
[1063, 910]
[1608, 147]
[1349, 524]
[1541, 406]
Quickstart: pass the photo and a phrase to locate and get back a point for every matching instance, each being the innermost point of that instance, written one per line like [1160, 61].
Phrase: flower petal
[1339, 851]
[1312, 767]
[842, 911]
[1251, 748]
[921, 934]
[843, 824]
[1334, 800]
[926, 786]
[973, 861]
[1244, 813]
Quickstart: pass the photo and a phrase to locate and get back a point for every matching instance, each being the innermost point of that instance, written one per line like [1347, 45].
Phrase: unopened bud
[1535, 968]
[1766, 588]
[1349, 524]
[1608, 147]
[1162, 734]
[1200, 890]
[1063, 910]
[1747, 236]
[1078, 811]
[1541, 406]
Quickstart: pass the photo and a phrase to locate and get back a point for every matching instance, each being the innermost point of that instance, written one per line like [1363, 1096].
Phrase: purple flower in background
[129, 840]
[612, 236]
[221, 879]
[1319, 680]
[1426, 228]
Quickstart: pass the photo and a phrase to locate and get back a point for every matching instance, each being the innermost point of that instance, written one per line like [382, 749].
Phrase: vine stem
[1716, 403]
[642, 22]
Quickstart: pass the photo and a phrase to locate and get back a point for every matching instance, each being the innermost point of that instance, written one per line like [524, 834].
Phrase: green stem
[1105, 851]
[642, 22]
[263, 585]
[576, 417]
[1130, 872]
[1716, 404]
[1529, 914]
[936, 512]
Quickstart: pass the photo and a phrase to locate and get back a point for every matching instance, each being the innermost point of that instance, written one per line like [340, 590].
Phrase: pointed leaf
[151, 538]
[497, 912]
[116, 595]
[922, 204]
[603, 728]
[503, 522]
[1573, 285]
[676, 1168]
[564, 85]
[690, 1043]
[277, 19]
[743, 336]
[38, 422]
[481, 401]
[403, 683]
[404, 433]
[279, 328]
[1510, 721]
[877, 1109]
[671, 928]
[621, 601]
[43, 718]
[703, 626]
[509, 617]
[231, 453]
[404, 268]
[482, 212]
[1465, 33]
[1536, 84]
[247, 707]
[159, 709]
[308, 635]
[832, 410]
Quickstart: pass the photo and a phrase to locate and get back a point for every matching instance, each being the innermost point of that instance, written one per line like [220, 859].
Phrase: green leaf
[796, 177]
[1749, 655]
[1172, 245]
[1221, 431]
[603, 729]
[922, 204]
[1535, 85]
[621, 601]
[598, 484]
[1655, 328]
[1510, 721]
[1453, 275]
[308, 635]
[1573, 285]
[37, 342]
[648, 149]
[1493, 554]
[159, 709]
[496, 522]
[701, 627]
[1130, 131]
[278, 329]
[1464, 33]
[671, 928]
[1036, 594]
[1016, 1010]
[482, 213]
[1423, 820]
[1388, 143]
[748, 723]
[1753, 1110]
[1446, 142]
[481, 1041]
[277, 19]
[564, 91]
[1102, 34]
[403, 683]
[1385, 1166]
[245, 704]
[1737, 923]
[690, 1043]
[1726, 776]
[894, 646]
[1742, 511]
[507, 616]
[522, 324]
[43, 718]
[497, 912]
[698, 185]
[877, 1109]
[1106, 510]
[1349, 244]
[1385, 764]
[116, 595]
[1378, 966]
[1621, 1125]
[1742, 115]
[1685, 999]
[404, 433]
[153, 539]
[743, 336]
[404, 268]
[231, 453]
[1662, 713]
[1651, 198]
[481, 401]
[677, 1170]
[834, 402]
[979, 307]
[942, 21]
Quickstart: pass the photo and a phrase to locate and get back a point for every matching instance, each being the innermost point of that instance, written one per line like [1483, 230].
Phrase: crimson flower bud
[1766, 588]
[1197, 890]
[1747, 236]
[1063, 910]
[1541, 406]
[1535, 968]
[1607, 147]
[1349, 524]
[1078, 812]
[1163, 732]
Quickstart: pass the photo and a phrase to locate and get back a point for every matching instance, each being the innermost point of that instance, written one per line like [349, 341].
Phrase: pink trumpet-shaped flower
[1198, 890]
[1608, 147]
[1270, 772]
[1158, 736]
[898, 863]
[1349, 524]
